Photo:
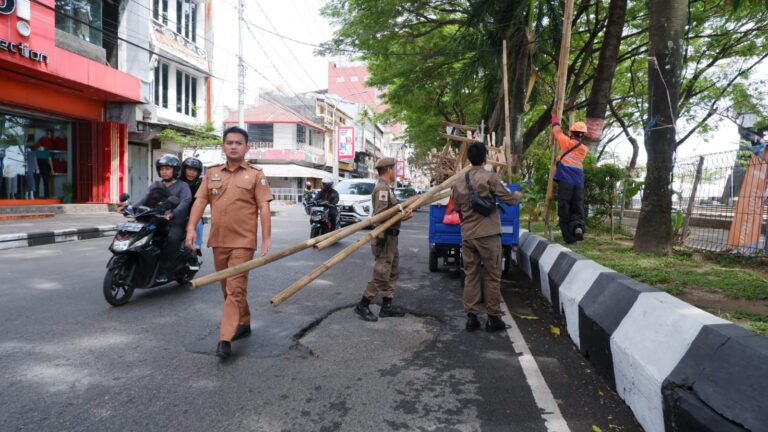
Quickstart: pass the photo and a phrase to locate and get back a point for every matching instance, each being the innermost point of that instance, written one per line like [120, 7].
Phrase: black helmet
[169, 160]
[193, 163]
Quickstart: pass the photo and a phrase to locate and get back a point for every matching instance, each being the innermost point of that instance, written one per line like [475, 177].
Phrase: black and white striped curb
[40, 238]
[677, 367]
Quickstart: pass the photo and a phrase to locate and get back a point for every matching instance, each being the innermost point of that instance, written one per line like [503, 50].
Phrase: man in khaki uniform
[386, 268]
[239, 196]
[481, 239]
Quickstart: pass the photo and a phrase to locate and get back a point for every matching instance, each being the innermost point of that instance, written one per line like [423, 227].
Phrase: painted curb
[41, 238]
[677, 367]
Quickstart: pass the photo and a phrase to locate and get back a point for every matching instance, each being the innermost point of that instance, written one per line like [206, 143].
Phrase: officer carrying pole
[475, 199]
[386, 268]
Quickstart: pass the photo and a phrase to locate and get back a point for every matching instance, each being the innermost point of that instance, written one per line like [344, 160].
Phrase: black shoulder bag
[484, 206]
[568, 151]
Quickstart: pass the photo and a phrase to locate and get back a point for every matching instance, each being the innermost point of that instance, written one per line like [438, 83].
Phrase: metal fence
[718, 202]
[289, 195]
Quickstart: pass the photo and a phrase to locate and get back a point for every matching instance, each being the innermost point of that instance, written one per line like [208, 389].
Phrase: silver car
[355, 200]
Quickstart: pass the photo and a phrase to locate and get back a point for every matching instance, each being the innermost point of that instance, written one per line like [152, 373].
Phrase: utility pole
[241, 66]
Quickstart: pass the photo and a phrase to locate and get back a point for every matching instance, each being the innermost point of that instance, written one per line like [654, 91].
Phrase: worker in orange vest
[570, 179]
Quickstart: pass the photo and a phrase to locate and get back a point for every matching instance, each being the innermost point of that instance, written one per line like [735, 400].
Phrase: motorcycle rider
[192, 175]
[329, 194]
[168, 167]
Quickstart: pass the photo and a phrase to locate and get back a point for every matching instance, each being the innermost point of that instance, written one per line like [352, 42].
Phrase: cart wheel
[432, 261]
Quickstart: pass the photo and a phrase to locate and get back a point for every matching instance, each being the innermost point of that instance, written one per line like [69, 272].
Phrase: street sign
[346, 142]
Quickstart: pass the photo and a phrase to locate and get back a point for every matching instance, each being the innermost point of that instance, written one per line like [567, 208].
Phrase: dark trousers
[333, 215]
[45, 176]
[570, 210]
[171, 245]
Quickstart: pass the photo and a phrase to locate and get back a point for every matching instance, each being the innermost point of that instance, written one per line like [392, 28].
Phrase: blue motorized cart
[445, 240]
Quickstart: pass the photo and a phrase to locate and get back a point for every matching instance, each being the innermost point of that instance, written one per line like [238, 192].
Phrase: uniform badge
[264, 181]
[383, 195]
[216, 177]
[215, 191]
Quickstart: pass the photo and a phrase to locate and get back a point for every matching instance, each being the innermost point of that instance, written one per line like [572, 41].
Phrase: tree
[199, 138]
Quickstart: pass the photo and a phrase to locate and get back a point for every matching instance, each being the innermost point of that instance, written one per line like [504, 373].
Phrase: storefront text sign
[23, 50]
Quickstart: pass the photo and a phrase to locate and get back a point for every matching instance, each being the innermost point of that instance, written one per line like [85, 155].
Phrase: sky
[295, 68]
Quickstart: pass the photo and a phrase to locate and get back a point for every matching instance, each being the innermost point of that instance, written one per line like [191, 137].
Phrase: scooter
[320, 219]
[136, 253]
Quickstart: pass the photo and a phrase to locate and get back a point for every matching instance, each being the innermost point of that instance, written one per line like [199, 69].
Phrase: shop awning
[291, 171]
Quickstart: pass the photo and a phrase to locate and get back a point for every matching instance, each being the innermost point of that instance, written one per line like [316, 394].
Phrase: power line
[311, 79]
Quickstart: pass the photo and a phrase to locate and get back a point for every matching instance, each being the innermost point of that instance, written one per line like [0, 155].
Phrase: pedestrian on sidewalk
[570, 180]
[239, 196]
[475, 199]
[386, 267]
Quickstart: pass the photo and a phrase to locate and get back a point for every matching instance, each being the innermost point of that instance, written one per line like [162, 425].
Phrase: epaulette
[256, 167]
[215, 166]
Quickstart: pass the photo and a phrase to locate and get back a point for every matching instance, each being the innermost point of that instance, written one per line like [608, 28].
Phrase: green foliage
[201, 137]
[601, 186]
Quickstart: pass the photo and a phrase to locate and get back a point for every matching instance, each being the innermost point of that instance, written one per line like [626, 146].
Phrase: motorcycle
[309, 198]
[320, 219]
[136, 253]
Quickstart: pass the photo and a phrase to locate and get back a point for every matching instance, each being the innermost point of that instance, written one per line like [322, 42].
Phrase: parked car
[355, 200]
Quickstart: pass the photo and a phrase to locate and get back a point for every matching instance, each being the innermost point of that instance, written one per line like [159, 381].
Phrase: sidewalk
[57, 229]
[66, 227]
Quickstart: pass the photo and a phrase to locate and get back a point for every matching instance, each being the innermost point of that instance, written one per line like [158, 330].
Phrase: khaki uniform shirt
[485, 184]
[383, 198]
[234, 197]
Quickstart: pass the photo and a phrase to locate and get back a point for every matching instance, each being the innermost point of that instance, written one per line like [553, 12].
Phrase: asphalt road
[70, 362]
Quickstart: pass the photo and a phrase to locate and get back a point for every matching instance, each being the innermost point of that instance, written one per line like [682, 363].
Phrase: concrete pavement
[68, 361]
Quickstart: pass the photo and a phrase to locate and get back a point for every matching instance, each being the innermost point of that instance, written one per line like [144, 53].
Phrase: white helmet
[327, 180]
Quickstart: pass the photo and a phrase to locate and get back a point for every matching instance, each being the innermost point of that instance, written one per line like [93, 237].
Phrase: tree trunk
[606, 67]
[667, 21]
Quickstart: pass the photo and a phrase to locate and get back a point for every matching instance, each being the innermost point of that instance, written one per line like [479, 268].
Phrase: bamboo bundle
[419, 202]
[258, 262]
[339, 257]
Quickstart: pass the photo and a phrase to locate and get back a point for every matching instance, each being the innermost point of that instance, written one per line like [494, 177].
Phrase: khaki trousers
[487, 250]
[386, 269]
[235, 289]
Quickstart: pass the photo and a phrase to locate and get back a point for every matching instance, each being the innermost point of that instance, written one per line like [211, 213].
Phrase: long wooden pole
[258, 262]
[419, 202]
[562, 81]
[324, 267]
[507, 132]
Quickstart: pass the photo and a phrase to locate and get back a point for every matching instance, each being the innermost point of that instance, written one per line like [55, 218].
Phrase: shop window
[339, 79]
[81, 18]
[301, 134]
[161, 85]
[34, 158]
[353, 78]
[261, 133]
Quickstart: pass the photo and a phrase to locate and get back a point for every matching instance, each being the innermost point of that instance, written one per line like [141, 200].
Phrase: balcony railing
[264, 150]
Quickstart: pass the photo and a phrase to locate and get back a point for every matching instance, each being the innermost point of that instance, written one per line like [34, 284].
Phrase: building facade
[60, 80]
[166, 44]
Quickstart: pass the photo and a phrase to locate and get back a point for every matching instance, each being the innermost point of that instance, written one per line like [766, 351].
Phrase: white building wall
[284, 136]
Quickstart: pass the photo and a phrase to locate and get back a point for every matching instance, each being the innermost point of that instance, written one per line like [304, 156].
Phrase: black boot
[364, 311]
[243, 331]
[495, 323]
[388, 311]
[223, 349]
[472, 322]
[579, 233]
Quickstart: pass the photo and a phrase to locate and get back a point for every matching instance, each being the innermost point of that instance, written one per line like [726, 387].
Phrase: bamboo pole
[420, 201]
[339, 257]
[261, 261]
[562, 81]
[507, 132]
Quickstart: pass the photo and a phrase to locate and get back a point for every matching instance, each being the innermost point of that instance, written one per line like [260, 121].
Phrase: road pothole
[343, 336]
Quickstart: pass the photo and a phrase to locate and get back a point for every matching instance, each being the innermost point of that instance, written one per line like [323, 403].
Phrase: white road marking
[550, 412]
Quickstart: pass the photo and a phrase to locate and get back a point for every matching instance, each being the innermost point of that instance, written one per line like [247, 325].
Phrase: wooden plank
[460, 126]
[458, 138]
